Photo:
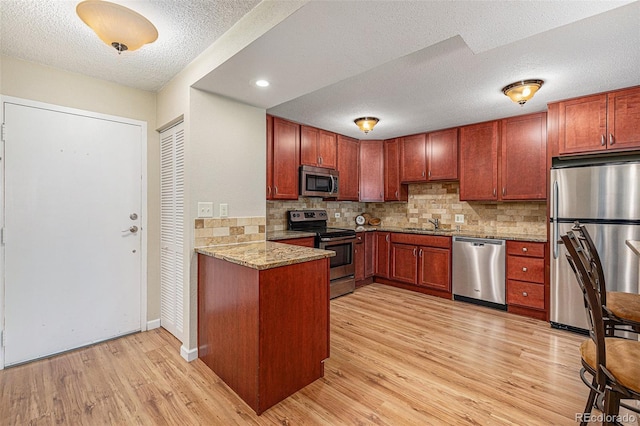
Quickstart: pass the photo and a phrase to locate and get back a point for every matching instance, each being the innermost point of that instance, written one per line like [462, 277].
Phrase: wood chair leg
[611, 407]
[590, 402]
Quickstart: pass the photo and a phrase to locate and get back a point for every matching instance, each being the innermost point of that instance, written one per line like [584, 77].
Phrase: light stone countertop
[264, 254]
[634, 245]
[279, 235]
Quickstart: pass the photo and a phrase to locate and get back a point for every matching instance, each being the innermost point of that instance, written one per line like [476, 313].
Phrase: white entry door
[73, 253]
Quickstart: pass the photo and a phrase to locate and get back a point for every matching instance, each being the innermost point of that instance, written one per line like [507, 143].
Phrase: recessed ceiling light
[262, 83]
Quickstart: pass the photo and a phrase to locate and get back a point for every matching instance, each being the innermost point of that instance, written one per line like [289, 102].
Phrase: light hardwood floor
[397, 358]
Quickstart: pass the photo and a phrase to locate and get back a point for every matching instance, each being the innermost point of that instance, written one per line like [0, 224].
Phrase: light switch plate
[459, 218]
[337, 215]
[205, 209]
[224, 210]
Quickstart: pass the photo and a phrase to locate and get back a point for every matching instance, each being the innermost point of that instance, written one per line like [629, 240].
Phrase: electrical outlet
[459, 218]
[337, 215]
[205, 209]
[224, 210]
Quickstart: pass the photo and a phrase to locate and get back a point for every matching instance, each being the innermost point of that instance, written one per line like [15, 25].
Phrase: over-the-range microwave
[318, 182]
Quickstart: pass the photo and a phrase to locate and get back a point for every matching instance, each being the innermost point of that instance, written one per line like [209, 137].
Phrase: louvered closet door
[172, 229]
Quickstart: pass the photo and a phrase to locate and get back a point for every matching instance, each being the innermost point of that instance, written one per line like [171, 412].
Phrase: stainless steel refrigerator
[606, 199]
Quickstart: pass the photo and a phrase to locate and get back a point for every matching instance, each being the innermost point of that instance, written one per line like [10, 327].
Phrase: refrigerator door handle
[556, 225]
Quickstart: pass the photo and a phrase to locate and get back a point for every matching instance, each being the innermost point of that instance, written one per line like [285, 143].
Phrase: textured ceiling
[417, 65]
[50, 32]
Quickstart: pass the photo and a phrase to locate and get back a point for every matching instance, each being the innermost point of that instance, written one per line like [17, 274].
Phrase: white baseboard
[188, 354]
[153, 324]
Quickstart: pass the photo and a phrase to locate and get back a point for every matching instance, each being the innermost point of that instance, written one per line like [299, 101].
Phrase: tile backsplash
[229, 230]
[427, 201]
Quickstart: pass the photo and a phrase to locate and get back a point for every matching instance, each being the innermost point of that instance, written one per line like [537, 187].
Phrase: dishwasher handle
[478, 242]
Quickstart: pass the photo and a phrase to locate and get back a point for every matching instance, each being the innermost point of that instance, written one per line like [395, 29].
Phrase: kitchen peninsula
[263, 317]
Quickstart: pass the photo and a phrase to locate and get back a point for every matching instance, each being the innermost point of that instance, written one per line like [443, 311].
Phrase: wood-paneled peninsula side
[263, 317]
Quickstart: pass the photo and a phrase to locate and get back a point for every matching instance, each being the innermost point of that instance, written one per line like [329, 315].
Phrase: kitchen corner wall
[427, 201]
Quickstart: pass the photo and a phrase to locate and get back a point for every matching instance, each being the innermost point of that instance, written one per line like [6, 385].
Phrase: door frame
[143, 198]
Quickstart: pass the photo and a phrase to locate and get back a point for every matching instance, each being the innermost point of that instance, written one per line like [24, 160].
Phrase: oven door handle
[332, 239]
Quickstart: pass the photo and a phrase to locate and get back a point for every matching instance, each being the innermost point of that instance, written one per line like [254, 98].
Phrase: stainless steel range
[341, 241]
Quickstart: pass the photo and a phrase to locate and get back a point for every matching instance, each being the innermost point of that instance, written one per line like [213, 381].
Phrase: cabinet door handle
[611, 140]
[423, 173]
[276, 189]
[524, 269]
[415, 252]
[396, 194]
[320, 159]
[381, 196]
[504, 190]
[429, 173]
[420, 253]
[524, 249]
[524, 293]
[494, 192]
[269, 191]
[603, 141]
[386, 238]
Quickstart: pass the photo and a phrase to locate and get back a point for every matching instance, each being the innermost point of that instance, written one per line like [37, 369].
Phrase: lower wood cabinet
[433, 268]
[416, 262]
[365, 251]
[383, 254]
[527, 290]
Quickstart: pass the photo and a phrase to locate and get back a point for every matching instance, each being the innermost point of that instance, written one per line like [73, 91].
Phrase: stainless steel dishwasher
[479, 271]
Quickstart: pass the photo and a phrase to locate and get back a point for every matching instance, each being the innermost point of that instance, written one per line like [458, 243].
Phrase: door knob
[133, 216]
[133, 229]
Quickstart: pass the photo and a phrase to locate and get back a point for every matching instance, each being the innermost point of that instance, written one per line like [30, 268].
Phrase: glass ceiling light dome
[521, 91]
[117, 25]
[366, 124]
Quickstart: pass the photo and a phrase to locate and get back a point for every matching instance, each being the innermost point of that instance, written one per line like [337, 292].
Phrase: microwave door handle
[331, 182]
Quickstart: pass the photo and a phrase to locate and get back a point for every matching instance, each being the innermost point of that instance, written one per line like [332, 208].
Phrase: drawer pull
[524, 269]
[524, 293]
[524, 249]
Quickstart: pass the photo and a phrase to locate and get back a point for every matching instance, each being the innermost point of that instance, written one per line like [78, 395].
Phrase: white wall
[37, 82]
[225, 144]
[226, 155]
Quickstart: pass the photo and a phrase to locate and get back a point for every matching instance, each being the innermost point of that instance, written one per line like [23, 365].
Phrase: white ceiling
[417, 65]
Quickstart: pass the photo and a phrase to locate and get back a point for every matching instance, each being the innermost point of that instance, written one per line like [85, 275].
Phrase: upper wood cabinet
[524, 158]
[522, 145]
[479, 162]
[269, 188]
[604, 122]
[393, 189]
[429, 157]
[413, 159]
[317, 147]
[371, 171]
[442, 155]
[348, 168]
[283, 153]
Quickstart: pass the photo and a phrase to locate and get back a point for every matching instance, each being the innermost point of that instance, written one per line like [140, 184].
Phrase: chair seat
[622, 360]
[624, 305]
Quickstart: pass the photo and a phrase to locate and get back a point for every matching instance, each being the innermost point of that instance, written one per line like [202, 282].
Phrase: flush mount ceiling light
[366, 124]
[262, 83]
[521, 91]
[116, 25]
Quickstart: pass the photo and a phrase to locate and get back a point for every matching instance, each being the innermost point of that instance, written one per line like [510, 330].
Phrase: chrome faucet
[436, 223]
